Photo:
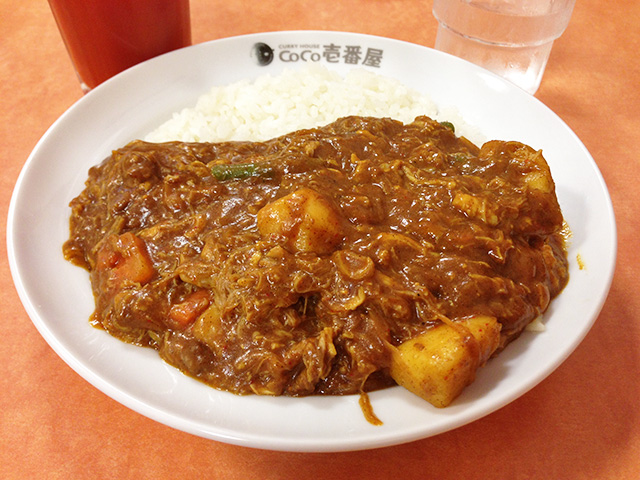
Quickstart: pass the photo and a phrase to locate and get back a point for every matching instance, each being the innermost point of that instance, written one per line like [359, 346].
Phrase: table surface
[583, 421]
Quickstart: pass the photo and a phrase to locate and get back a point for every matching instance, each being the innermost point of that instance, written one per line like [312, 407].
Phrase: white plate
[57, 295]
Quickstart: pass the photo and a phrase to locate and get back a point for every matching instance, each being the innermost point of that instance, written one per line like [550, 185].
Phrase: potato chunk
[438, 364]
[303, 221]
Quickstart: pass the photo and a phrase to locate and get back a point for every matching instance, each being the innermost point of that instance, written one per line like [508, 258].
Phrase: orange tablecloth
[582, 422]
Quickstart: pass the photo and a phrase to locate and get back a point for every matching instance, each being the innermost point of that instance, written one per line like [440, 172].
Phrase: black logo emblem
[262, 53]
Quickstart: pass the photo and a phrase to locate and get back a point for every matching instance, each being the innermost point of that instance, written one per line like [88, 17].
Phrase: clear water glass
[512, 38]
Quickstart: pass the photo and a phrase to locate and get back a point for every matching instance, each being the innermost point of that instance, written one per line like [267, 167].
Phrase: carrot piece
[127, 259]
[186, 312]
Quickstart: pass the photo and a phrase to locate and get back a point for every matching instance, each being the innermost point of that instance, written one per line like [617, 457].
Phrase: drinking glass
[105, 37]
[512, 38]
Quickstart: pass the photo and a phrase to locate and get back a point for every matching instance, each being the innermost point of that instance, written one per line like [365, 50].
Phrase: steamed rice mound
[310, 97]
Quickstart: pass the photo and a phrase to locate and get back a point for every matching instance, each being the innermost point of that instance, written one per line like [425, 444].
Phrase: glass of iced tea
[105, 37]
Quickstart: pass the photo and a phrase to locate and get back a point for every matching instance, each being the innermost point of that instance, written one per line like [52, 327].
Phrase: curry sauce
[289, 267]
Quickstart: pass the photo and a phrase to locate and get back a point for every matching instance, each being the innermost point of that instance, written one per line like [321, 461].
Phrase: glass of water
[512, 38]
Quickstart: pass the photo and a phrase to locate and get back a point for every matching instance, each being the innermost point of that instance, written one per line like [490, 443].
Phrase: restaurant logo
[264, 54]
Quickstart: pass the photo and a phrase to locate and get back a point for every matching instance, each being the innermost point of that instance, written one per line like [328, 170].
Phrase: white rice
[311, 97]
